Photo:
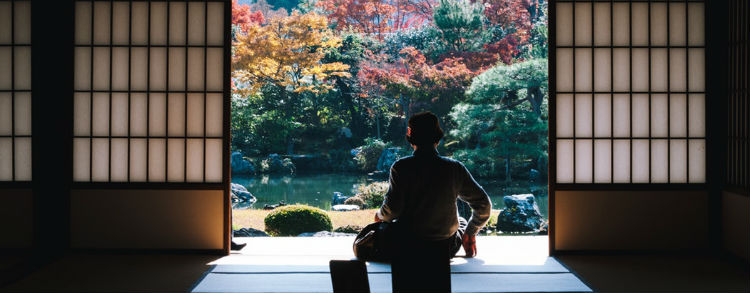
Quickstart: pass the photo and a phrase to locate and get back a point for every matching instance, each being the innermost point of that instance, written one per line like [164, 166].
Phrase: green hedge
[293, 220]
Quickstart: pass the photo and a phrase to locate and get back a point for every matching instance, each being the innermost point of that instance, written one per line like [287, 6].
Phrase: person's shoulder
[452, 161]
[403, 161]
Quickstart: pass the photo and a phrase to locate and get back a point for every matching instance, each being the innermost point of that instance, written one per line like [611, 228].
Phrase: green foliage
[373, 194]
[461, 23]
[356, 200]
[348, 229]
[369, 153]
[293, 220]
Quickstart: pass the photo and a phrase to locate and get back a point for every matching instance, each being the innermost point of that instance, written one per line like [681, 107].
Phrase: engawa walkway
[280, 264]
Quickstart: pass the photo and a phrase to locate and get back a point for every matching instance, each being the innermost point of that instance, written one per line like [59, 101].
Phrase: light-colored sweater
[423, 191]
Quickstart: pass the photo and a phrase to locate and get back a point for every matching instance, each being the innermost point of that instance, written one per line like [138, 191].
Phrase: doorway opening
[322, 91]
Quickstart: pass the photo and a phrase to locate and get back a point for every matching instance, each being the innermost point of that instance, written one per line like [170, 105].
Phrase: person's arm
[477, 198]
[394, 199]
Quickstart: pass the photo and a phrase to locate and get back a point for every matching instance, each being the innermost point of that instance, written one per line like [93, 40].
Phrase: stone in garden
[326, 234]
[249, 232]
[338, 198]
[387, 158]
[521, 214]
[240, 165]
[344, 208]
[275, 164]
[241, 194]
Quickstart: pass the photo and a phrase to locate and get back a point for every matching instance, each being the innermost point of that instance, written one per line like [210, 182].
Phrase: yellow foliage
[288, 52]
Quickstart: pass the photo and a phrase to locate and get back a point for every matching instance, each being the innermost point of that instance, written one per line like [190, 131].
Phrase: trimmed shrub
[348, 229]
[293, 220]
[373, 194]
[355, 200]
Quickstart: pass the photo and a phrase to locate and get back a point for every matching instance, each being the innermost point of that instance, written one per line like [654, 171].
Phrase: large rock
[240, 165]
[345, 208]
[277, 165]
[326, 234]
[521, 214]
[387, 158]
[249, 232]
[338, 198]
[240, 194]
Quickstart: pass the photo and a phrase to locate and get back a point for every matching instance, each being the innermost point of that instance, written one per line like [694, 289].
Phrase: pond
[317, 189]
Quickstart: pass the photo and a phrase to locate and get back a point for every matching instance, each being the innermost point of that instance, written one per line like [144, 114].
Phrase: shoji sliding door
[628, 123]
[151, 118]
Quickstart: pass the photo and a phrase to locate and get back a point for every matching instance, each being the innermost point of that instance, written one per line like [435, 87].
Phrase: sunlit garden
[323, 89]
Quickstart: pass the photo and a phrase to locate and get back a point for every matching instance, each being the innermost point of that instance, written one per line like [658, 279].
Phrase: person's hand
[470, 245]
[377, 219]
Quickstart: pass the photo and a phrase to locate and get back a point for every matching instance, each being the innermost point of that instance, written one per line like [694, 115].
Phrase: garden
[322, 91]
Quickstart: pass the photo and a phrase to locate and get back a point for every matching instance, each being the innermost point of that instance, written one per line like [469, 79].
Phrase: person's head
[424, 130]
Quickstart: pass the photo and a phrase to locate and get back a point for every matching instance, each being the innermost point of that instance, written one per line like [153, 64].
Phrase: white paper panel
[157, 160]
[697, 70]
[640, 70]
[214, 160]
[565, 161]
[697, 115]
[583, 115]
[194, 160]
[82, 70]
[83, 23]
[157, 124]
[697, 160]
[602, 70]
[677, 24]
[22, 68]
[621, 24]
[602, 27]
[5, 68]
[678, 115]
[621, 161]
[158, 69]
[177, 68]
[195, 69]
[6, 151]
[659, 161]
[564, 24]
[100, 114]
[583, 161]
[214, 115]
[659, 115]
[81, 114]
[678, 161]
[101, 68]
[101, 22]
[196, 23]
[176, 110]
[564, 70]
[5, 25]
[583, 29]
[195, 115]
[139, 24]
[696, 26]
[214, 69]
[6, 113]
[23, 22]
[659, 70]
[81, 159]
[215, 24]
[119, 114]
[640, 115]
[602, 115]
[138, 110]
[658, 24]
[23, 113]
[677, 70]
[100, 160]
[177, 23]
[602, 161]
[120, 23]
[564, 115]
[640, 160]
[139, 69]
[119, 160]
[621, 115]
[158, 23]
[583, 69]
[22, 153]
[176, 160]
[639, 24]
[137, 160]
[120, 66]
